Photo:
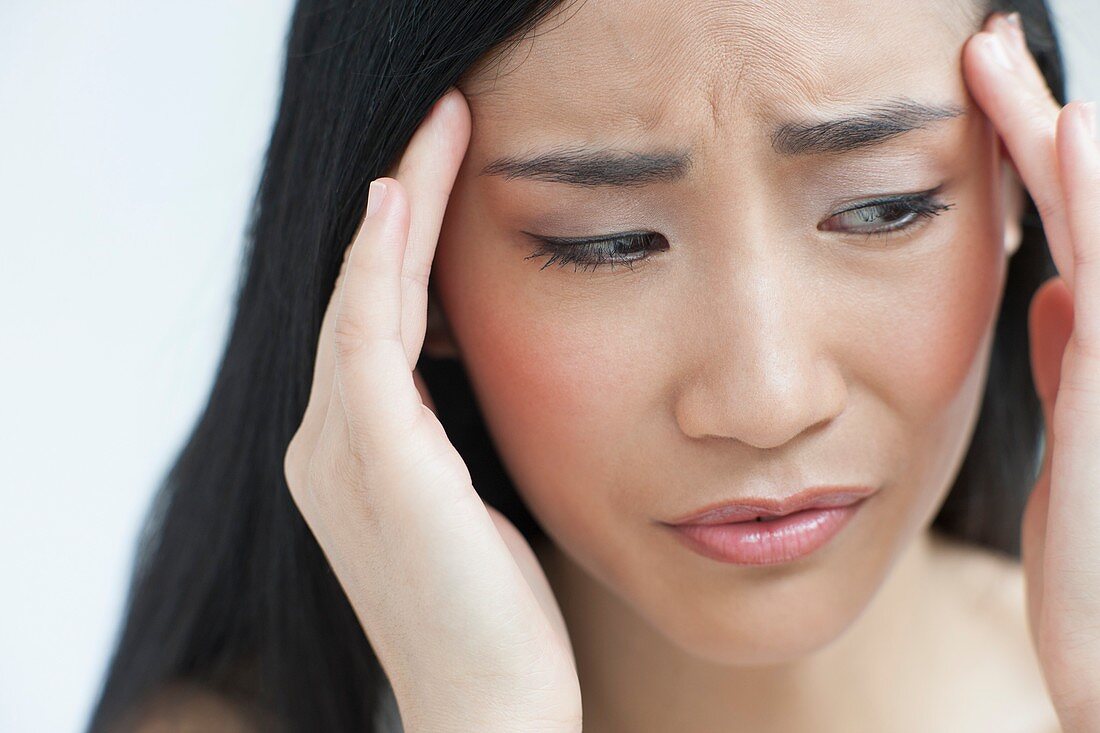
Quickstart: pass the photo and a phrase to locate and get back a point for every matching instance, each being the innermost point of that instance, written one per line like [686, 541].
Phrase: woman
[693, 254]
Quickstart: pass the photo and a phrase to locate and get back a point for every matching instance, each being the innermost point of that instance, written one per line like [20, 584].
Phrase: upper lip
[742, 509]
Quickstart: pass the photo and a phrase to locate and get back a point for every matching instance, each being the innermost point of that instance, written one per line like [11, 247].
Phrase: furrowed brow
[590, 167]
[863, 130]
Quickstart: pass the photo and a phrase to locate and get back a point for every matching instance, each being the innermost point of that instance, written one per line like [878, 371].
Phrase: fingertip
[383, 230]
[453, 101]
[453, 112]
[376, 193]
[1078, 155]
[449, 100]
[996, 51]
[394, 201]
[980, 70]
[1077, 127]
[991, 20]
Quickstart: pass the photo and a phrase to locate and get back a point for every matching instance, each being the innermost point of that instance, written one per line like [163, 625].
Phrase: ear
[1013, 201]
[438, 341]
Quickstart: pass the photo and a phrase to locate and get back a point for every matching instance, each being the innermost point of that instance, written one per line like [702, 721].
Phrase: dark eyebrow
[865, 129]
[594, 167]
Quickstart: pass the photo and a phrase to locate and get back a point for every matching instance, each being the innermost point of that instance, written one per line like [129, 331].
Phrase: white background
[131, 135]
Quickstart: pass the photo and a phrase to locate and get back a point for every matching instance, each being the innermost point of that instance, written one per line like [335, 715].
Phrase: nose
[760, 371]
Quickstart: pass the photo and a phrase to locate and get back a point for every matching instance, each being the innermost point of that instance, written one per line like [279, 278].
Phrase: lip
[771, 542]
[749, 508]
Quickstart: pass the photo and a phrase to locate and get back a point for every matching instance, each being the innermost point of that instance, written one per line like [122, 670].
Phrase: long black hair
[230, 591]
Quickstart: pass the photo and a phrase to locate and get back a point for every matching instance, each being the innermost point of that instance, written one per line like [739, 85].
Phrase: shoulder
[189, 707]
[990, 589]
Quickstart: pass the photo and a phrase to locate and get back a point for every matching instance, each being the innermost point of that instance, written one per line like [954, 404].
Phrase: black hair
[230, 591]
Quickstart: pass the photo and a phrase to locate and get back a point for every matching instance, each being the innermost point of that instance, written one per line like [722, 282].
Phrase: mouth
[766, 531]
[764, 509]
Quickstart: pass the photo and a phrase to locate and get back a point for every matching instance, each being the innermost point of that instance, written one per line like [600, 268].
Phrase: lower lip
[767, 543]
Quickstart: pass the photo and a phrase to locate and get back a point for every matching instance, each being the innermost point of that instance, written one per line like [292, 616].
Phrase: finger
[1071, 547]
[1024, 112]
[415, 269]
[372, 372]
[1062, 515]
[427, 170]
[1079, 163]
[324, 361]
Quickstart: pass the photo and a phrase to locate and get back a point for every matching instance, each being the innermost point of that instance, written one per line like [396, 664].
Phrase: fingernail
[1006, 30]
[375, 194]
[998, 50]
[1088, 117]
[1017, 25]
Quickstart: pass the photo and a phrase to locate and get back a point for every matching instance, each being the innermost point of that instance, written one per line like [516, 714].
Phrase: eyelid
[923, 206]
[580, 241]
[892, 199]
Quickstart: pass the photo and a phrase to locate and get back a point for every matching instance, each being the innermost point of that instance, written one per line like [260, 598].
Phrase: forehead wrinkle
[750, 58]
[647, 64]
[629, 69]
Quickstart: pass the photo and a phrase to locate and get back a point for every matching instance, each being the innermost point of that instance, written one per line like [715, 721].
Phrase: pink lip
[767, 542]
[740, 510]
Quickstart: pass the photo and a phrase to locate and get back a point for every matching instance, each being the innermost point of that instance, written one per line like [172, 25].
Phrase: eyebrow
[863, 130]
[593, 167]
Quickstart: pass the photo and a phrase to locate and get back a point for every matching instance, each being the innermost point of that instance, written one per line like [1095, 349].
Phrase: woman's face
[768, 342]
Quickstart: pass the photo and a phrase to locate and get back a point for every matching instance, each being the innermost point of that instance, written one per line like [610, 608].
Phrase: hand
[1058, 158]
[450, 595]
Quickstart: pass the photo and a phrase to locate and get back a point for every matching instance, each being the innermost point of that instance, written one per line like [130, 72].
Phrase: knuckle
[1037, 114]
[1049, 208]
[338, 467]
[417, 277]
[348, 339]
[354, 331]
[1086, 346]
[1074, 406]
[1086, 260]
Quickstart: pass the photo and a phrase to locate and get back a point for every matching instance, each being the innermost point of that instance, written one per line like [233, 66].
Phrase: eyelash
[591, 253]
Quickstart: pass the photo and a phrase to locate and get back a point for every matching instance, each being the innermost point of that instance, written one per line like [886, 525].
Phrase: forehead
[627, 67]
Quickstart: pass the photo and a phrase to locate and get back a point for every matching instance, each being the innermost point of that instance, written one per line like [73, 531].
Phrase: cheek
[922, 348]
[559, 375]
[932, 316]
[927, 331]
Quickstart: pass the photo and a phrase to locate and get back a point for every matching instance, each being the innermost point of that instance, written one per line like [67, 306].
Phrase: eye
[886, 215]
[590, 253]
[878, 217]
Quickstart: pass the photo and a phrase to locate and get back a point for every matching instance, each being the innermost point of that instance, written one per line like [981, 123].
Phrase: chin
[759, 616]
[737, 641]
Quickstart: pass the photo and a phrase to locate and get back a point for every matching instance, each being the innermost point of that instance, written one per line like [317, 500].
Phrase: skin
[616, 401]
[615, 398]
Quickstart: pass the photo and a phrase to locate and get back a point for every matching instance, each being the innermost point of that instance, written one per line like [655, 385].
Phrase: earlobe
[438, 341]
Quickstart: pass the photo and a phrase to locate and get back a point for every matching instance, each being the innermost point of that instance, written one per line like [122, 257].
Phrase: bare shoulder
[187, 708]
[990, 587]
